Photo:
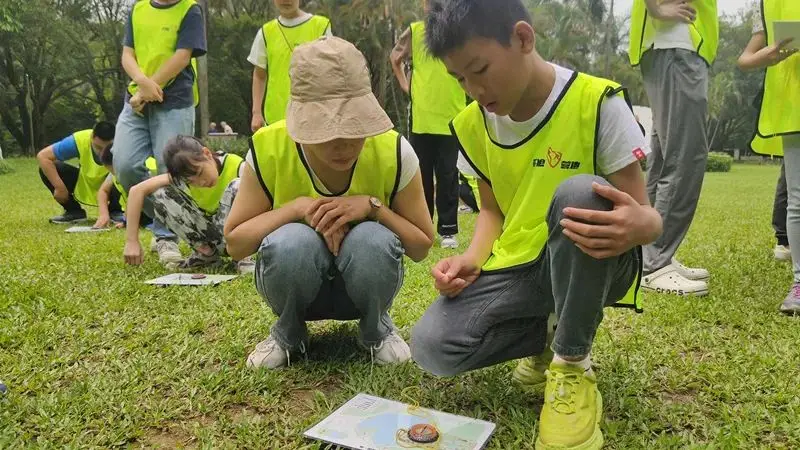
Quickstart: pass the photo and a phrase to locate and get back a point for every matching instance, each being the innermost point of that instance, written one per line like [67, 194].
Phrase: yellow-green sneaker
[572, 410]
[530, 372]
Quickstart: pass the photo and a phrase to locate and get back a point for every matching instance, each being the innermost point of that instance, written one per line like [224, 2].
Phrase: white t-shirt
[671, 35]
[409, 164]
[258, 51]
[620, 143]
[758, 20]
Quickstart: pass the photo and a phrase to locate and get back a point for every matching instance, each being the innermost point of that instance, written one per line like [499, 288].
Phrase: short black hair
[451, 23]
[104, 130]
[107, 157]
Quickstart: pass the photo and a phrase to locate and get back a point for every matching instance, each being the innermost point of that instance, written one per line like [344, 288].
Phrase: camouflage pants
[175, 208]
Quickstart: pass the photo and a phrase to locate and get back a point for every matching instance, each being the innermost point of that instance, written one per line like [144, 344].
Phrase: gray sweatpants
[503, 314]
[176, 209]
[676, 82]
[791, 159]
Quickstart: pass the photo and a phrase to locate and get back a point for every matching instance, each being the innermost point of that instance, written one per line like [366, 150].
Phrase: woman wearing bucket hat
[331, 199]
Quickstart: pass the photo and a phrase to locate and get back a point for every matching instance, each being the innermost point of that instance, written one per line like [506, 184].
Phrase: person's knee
[371, 242]
[128, 171]
[577, 192]
[290, 248]
[430, 347]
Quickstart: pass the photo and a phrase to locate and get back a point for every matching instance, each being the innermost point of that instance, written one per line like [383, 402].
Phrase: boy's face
[99, 145]
[492, 74]
[287, 7]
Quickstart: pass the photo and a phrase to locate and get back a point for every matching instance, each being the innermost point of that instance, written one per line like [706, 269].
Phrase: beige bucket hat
[331, 94]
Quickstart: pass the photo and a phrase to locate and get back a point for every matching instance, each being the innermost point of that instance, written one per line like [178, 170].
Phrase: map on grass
[190, 279]
[86, 229]
[373, 423]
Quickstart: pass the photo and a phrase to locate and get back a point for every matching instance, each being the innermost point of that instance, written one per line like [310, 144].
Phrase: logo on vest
[554, 160]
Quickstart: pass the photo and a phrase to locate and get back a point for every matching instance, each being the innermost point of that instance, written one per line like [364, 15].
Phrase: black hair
[104, 130]
[451, 23]
[182, 154]
[107, 157]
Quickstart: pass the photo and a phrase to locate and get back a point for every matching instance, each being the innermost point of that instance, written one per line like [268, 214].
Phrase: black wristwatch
[375, 206]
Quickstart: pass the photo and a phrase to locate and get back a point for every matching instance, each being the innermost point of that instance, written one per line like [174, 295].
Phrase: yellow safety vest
[208, 198]
[285, 174]
[155, 38]
[704, 31]
[436, 96]
[151, 165]
[780, 98]
[524, 177]
[281, 42]
[90, 174]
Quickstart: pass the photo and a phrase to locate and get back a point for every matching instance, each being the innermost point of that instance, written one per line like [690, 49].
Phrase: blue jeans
[301, 280]
[139, 137]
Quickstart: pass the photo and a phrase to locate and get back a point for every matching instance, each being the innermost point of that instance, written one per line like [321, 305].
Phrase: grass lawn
[94, 358]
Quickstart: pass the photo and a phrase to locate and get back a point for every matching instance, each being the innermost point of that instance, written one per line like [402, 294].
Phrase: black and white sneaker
[70, 217]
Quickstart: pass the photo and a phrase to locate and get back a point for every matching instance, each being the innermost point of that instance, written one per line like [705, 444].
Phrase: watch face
[375, 202]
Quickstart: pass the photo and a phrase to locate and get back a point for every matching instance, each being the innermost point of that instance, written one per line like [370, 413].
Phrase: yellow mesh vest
[285, 175]
[780, 99]
[90, 175]
[208, 198]
[704, 31]
[524, 178]
[155, 38]
[281, 42]
[436, 97]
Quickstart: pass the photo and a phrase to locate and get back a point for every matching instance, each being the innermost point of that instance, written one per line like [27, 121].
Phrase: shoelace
[563, 396]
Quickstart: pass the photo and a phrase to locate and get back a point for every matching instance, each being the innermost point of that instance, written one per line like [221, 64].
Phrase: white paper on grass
[785, 29]
[86, 229]
[185, 279]
[369, 422]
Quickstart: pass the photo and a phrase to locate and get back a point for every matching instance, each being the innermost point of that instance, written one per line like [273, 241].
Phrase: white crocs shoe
[391, 350]
[268, 354]
[669, 281]
[449, 242]
[782, 253]
[692, 273]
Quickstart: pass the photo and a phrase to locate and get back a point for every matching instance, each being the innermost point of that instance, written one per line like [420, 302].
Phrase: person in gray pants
[674, 60]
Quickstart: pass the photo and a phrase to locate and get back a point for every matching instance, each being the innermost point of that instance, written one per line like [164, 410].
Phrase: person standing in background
[778, 129]
[270, 55]
[436, 98]
[674, 42]
[161, 38]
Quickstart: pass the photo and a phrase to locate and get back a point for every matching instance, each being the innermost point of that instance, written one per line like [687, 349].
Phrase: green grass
[94, 358]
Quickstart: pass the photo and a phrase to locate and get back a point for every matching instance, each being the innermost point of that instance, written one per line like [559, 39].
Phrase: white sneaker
[391, 350]
[782, 253]
[669, 281]
[246, 265]
[464, 209]
[268, 354]
[449, 242]
[168, 253]
[692, 273]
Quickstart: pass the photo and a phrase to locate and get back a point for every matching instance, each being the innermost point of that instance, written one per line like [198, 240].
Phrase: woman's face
[207, 172]
[339, 155]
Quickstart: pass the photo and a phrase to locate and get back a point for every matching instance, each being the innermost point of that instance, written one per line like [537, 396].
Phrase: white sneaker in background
[246, 265]
[782, 253]
[168, 253]
[669, 281]
[449, 242]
